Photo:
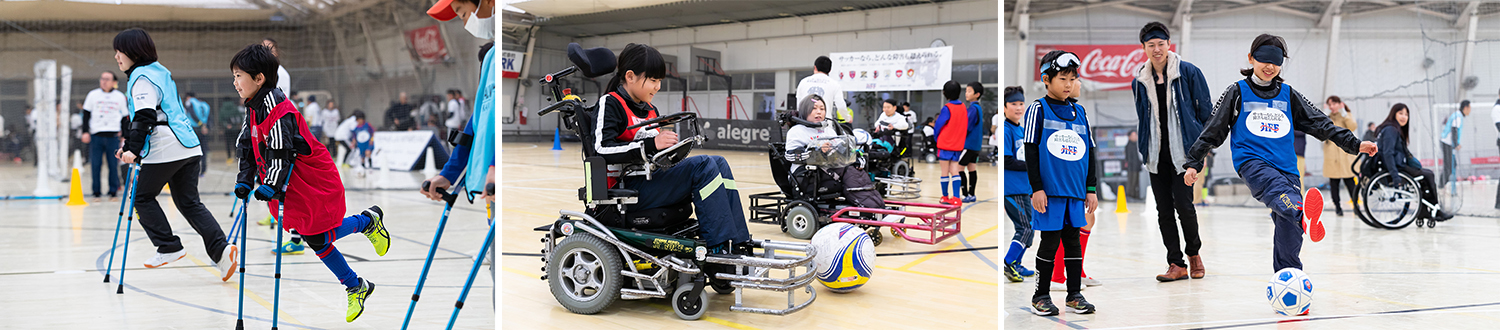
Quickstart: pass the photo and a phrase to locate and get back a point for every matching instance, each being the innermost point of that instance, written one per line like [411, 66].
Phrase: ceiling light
[848, 7]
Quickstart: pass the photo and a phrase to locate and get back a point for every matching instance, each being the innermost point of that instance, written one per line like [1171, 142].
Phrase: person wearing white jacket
[820, 84]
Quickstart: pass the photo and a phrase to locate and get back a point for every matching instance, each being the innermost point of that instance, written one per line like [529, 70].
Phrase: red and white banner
[510, 64]
[427, 43]
[1104, 67]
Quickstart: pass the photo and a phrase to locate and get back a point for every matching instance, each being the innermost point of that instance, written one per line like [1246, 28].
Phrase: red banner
[427, 43]
[1104, 67]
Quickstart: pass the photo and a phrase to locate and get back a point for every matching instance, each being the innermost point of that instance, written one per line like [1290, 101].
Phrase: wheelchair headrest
[593, 61]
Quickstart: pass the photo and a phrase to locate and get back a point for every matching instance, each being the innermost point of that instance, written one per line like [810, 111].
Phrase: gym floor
[1363, 278]
[956, 289]
[55, 253]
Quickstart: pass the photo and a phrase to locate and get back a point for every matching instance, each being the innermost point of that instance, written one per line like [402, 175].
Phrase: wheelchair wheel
[801, 221]
[584, 273]
[1391, 205]
[901, 168]
[875, 236]
[688, 306]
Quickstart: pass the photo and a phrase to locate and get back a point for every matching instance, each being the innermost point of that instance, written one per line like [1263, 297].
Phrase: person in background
[103, 109]
[1336, 164]
[457, 116]
[285, 80]
[199, 112]
[398, 116]
[1452, 134]
[313, 114]
[330, 117]
[1370, 133]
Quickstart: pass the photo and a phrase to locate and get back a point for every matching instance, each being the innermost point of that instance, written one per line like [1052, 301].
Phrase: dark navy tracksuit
[1262, 119]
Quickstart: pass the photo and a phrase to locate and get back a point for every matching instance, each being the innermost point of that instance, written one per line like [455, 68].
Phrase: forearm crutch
[129, 221]
[129, 188]
[240, 224]
[478, 261]
[431, 250]
[276, 295]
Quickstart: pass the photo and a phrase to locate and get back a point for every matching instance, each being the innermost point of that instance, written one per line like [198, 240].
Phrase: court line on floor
[1270, 321]
[892, 254]
[949, 247]
[937, 275]
[715, 320]
[966, 242]
[100, 261]
[1059, 320]
[255, 297]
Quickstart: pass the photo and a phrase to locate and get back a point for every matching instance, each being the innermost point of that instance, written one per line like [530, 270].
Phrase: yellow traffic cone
[75, 194]
[1120, 201]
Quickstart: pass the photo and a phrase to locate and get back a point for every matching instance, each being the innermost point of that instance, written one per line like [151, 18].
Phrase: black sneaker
[1042, 306]
[1011, 274]
[1077, 304]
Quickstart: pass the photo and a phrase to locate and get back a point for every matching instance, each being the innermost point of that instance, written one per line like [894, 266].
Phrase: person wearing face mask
[1262, 111]
[474, 149]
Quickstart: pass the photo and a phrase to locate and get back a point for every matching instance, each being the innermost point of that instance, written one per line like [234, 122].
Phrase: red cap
[442, 10]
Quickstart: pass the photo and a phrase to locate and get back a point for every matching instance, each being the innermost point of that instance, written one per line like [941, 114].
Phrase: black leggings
[1333, 185]
[183, 176]
[1072, 259]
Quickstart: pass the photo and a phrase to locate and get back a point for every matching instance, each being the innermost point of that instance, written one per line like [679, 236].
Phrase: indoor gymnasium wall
[1379, 63]
[783, 46]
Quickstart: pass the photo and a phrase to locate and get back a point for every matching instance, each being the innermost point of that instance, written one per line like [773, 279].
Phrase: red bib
[314, 193]
[953, 134]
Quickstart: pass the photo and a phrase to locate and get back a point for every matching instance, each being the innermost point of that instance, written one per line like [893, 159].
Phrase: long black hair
[1262, 40]
[137, 46]
[1390, 120]
[641, 59]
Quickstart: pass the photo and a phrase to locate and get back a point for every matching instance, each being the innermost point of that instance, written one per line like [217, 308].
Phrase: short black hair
[977, 87]
[136, 45]
[257, 59]
[359, 114]
[191, 94]
[1462, 105]
[312, 98]
[823, 64]
[1152, 27]
[1014, 90]
[892, 102]
[951, 91]
[112, 75]
[294, 92]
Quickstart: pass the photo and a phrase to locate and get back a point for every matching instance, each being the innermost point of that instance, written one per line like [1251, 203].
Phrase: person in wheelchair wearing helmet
[705, 180]
[1396, 158]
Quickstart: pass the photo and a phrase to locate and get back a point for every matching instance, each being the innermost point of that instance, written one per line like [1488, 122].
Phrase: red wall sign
[427, 42]
[1106, 67]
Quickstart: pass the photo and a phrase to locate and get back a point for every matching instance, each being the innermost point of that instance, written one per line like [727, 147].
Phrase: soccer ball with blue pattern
[1290, 292]
[845, 257]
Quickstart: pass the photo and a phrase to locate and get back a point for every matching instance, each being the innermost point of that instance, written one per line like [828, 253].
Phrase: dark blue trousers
[102, 149]
[1281, 192]
[708, 182]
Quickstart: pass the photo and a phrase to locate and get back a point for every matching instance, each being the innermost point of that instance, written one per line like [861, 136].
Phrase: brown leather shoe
[1196, 264]
[1174, 272]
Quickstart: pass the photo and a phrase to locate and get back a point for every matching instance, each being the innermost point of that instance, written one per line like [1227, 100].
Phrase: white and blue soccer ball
[845, 257]
[1290, 292]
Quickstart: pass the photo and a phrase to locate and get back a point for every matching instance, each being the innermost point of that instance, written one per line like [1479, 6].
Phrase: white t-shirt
[800, 136]
[163, 141]
[826, 87]
[312, 113]
[330, 119]
[995, 127]
[283, 80]
[457, 115]
[895, 120]
[345, 129]
[1495, 112]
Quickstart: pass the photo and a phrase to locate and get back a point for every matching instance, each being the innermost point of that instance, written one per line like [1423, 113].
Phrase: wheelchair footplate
[901, 186]
[759, 277]
[939, 225]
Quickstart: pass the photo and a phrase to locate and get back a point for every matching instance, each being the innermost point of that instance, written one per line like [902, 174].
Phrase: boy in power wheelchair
[637, 239]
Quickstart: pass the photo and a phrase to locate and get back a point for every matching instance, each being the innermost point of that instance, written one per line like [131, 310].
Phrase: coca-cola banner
[427, 43]
[1104, 67]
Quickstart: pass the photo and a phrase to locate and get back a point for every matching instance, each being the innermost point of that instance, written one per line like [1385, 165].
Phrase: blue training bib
[1264, 130]
[1064, 148]
[1016, 182]
[482, 152]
